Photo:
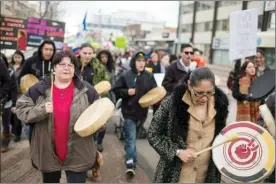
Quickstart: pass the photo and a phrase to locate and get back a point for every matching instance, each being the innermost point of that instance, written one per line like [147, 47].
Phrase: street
[16, 165]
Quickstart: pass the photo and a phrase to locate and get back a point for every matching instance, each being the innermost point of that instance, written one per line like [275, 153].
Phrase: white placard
[159, 78]
[243, 34]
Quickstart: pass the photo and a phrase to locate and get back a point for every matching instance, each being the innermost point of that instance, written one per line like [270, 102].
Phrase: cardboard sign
[243, 34]
[13, 33]
[41, 29]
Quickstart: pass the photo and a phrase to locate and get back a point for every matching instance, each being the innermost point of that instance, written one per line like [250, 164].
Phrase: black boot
[6, 138]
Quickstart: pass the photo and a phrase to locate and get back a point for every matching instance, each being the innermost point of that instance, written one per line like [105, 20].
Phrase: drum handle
[229, 139]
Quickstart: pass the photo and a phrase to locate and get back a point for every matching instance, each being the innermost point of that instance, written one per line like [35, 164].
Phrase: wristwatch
[177, 152]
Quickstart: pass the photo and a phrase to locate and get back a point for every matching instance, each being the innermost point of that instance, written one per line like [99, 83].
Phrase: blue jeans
[130, 139]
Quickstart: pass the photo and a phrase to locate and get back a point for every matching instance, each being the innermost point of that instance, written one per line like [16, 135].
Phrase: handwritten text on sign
[243, 34]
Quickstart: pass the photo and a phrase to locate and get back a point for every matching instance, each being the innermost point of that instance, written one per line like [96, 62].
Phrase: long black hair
[42, 45]
[110, 62]
[243, 68]
[19, 53]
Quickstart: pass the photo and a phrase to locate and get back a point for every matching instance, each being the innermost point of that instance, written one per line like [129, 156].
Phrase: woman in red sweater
[55, 146]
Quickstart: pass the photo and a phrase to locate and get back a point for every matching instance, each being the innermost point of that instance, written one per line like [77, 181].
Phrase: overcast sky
[162, 10]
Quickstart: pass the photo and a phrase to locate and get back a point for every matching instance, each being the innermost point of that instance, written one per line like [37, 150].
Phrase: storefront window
[271, 20]
[270, 57]
[221, 57]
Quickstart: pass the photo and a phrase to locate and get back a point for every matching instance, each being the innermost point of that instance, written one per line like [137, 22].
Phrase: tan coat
[200, 136]
[81, 150]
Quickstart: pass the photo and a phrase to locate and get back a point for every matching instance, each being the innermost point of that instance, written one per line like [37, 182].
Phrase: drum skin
[250, 158]
[103, 87]
[27, 81]
[94, 117]
[152, 97]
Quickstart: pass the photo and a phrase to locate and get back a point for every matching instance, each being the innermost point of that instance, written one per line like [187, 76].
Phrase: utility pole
[213, 30]
[178, 31]
[194, 21]
[244, 5]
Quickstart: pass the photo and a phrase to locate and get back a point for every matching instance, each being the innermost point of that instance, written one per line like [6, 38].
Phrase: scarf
[247, 110]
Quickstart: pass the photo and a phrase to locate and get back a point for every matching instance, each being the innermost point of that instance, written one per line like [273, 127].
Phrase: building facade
[197, 19]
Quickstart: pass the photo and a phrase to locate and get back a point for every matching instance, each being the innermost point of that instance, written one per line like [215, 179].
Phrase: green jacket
[99, 71]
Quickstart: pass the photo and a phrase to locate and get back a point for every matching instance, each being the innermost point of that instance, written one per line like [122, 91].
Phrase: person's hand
[131, 92]
[187, 155]
[49, 107]
[13, 109]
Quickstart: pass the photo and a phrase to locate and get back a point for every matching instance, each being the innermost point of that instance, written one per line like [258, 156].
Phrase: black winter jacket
[143, 83]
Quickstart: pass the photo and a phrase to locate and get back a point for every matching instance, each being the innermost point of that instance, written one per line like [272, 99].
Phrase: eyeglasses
[202, 94]
[191, 53]
[63, 65]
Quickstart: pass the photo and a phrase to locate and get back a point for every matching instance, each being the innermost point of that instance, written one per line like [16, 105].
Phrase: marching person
[93, 72]
[247, 106]
[187, 122]
[176, 71]
[7, 105]
[5, 86]
[165, 63]
[55, 146]
[106, 59]
[39, 65]
[131, 86]
[16, 65]
[260, 62]
[154, 63]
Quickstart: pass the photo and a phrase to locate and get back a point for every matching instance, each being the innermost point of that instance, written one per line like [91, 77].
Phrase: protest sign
[13, 33]
[41, 29]
[243, 34]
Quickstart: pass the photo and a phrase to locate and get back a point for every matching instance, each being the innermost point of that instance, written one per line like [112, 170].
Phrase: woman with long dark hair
[17, 61]
[186, 122]
[106, 59]
[16, 64]
[247, 107]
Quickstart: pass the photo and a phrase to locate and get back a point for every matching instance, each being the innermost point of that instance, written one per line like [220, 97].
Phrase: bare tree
[50, 9]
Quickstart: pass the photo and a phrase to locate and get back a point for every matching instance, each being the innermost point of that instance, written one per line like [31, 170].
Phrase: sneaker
[100, 147]
[130, 169]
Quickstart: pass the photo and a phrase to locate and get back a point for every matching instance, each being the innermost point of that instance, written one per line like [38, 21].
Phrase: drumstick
[229, 139]
[52, 85]
[82, 65]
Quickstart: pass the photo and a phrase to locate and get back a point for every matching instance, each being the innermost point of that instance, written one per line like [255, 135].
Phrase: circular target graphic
[249, 158]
